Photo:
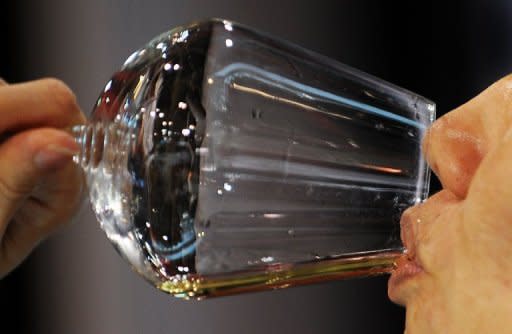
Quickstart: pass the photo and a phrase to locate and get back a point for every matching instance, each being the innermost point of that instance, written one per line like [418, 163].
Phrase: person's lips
[408, 266]
[406, 269]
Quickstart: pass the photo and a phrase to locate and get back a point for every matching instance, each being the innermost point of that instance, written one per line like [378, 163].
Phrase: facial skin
[40, 187]
[461, 237]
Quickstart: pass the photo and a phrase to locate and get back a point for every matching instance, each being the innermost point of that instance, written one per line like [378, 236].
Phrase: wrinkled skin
[462, 236]
[40, 187]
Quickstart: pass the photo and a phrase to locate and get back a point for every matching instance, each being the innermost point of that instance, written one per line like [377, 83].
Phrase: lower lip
[406, 269]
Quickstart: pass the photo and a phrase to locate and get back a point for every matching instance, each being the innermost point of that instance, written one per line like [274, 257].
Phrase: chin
[408, 288]
[425, 309]
[422, 318]
[405, 281]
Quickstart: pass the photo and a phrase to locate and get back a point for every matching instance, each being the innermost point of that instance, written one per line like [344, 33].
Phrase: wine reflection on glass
[220, 160]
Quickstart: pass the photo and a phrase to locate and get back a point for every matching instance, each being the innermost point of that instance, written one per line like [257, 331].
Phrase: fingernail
[53, 157]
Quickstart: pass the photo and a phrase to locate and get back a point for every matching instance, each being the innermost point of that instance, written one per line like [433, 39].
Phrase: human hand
[457, 276]
[39, 185]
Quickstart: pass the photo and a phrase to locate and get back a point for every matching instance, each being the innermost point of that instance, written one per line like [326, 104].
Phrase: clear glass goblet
[220, 160]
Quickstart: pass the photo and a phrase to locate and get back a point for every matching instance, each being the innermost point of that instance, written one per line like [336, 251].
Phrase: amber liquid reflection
[279, 276]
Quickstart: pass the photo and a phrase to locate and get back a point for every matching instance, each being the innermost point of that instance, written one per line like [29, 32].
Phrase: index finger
[46, 102]
[457, 142]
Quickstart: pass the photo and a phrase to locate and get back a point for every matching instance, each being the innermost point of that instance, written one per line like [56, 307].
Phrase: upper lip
[407, 234]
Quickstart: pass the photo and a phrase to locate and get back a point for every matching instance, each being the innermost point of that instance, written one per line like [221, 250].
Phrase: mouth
[406, 269]
[408, 266]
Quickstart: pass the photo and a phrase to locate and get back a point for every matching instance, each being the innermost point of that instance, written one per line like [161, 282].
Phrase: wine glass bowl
[220, 160]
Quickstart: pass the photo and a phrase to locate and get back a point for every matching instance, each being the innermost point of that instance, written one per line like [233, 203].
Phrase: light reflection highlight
[245, 70]
[228, 25]
[273, 215]
[108, 86]
[383, 169]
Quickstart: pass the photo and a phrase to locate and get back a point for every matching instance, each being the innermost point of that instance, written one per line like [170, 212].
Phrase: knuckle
[62, 95]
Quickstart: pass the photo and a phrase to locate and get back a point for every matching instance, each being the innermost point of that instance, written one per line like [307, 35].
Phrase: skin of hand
[40, 187]
[462, 236]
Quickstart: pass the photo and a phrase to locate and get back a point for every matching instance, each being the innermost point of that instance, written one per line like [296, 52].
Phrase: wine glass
[220, 160]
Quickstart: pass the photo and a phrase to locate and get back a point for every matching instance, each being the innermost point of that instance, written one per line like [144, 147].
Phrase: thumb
[26, 159]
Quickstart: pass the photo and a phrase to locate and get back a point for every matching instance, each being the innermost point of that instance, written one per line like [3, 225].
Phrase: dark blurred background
[447, 51]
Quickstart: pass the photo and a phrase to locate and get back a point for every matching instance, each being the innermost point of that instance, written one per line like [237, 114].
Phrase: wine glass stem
[91, 139]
